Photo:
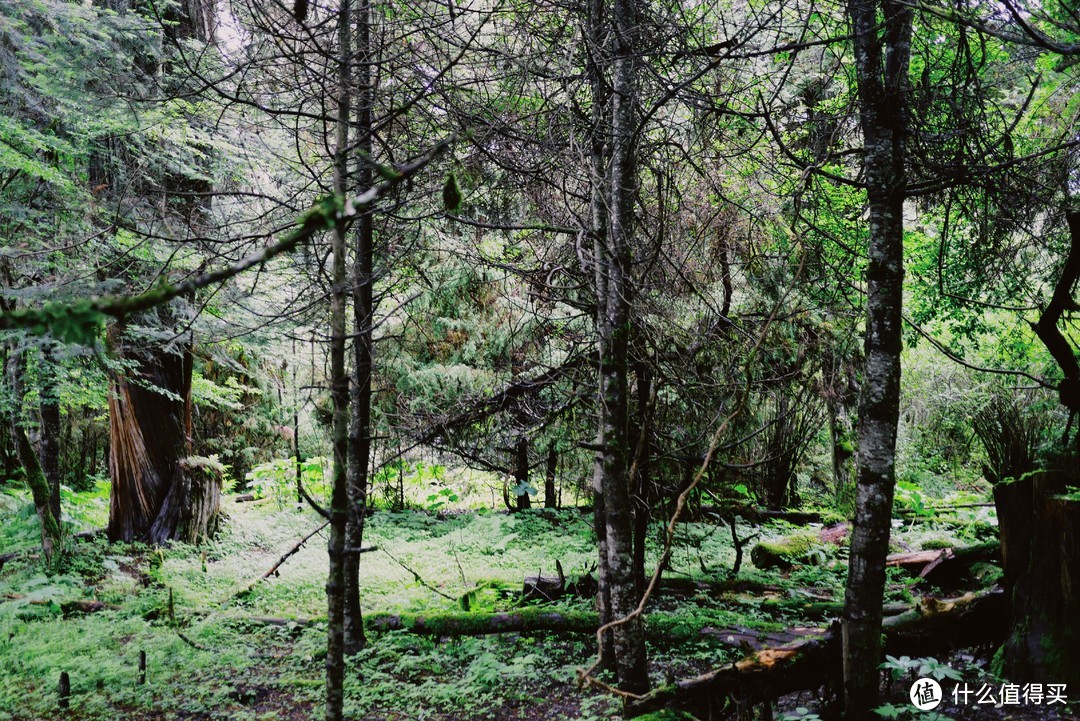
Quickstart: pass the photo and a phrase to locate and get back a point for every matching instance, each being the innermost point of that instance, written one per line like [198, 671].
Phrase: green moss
[1061, 649]
[988, 574]
[666, 715]
[785, 550]
[932, 544]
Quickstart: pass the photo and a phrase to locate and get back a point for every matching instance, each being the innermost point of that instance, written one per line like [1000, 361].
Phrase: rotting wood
[753, 514]
[946, 566]
[929, 627]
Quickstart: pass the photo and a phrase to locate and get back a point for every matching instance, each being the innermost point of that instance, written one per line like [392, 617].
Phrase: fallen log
[932, 626]
[551, 588]
[906, 511]
[945, 567]
[659, 626]
[478, 624]
[754, 514]
[803, 547]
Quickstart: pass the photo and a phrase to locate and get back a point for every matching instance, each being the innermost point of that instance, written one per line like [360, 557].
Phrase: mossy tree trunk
[39, 490]
[881, 35]
[339, 383]
[14, 366]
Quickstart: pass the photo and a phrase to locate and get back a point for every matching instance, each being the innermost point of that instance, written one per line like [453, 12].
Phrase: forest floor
[210, 654]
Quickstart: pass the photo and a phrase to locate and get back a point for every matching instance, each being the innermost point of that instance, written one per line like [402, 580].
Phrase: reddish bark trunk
[157, 494]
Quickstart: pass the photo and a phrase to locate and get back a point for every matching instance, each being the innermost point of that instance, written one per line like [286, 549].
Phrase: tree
[882, 59]
[159, 493]
[1010, 244]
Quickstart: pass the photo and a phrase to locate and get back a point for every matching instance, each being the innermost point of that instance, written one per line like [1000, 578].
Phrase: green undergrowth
[20, 529]
[195, 613]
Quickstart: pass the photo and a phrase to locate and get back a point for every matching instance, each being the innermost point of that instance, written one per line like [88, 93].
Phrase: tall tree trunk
[551, 494]
[363, 341]
[631, 663]
[881, 77]
[339, 388]
[521, 473]
[39, 491]
[157, 494]
[597, 34]
[50, 430]
[642, 479]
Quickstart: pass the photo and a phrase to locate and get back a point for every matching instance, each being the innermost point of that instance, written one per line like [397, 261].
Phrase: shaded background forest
[602, 255]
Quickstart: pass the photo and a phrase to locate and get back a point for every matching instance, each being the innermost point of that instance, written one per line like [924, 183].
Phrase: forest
[539, 359]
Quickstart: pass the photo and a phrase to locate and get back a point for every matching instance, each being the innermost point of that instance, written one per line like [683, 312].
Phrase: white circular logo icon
[925, 694]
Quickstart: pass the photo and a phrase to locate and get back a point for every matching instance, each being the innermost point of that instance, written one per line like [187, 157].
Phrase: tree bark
[157, 494]
[614, 302]
[551, 495]
[881, 67]
[597, 32]
[339, 387]
[521, 473]
[1042, 567]
[363, 341]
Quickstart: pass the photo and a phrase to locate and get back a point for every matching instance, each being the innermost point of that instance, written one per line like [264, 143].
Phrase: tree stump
[1043, 569]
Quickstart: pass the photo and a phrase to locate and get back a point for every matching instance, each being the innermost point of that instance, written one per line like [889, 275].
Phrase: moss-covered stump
[785, 552]
[1044, 571]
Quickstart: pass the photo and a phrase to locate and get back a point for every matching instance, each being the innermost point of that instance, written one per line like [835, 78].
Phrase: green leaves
[78, 322]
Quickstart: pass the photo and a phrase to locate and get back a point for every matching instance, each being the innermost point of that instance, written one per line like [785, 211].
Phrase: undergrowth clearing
[211, 654]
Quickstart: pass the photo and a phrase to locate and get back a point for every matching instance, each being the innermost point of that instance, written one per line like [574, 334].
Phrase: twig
[418, 578]
[273, 569]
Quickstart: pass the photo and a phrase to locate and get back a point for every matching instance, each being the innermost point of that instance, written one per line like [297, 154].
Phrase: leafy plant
[277, 479]
[919, 667]
[892, 711]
